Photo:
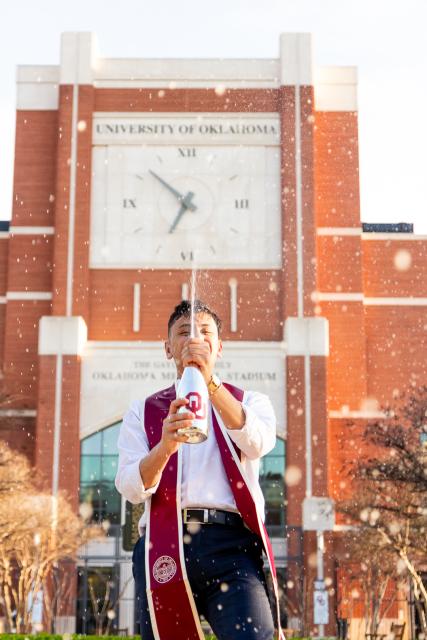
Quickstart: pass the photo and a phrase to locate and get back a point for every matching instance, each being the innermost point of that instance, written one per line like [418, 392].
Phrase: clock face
[170, 205]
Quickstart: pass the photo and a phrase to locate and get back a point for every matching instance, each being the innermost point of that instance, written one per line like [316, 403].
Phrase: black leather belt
[211, 516]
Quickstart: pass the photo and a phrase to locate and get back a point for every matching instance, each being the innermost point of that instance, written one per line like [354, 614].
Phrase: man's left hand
[197, 351]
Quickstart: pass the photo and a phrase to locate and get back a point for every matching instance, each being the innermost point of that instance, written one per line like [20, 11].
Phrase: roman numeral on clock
[187, 256]
[243, 203]
[129, 203]
[187, 152]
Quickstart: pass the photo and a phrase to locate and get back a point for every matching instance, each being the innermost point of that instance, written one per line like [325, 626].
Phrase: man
[210, 486]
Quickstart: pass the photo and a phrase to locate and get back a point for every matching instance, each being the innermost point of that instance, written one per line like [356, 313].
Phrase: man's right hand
[171, 440]
[152, 465]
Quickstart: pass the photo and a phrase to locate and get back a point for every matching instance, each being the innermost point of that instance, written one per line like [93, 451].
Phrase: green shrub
[68, 636]
[59, 636]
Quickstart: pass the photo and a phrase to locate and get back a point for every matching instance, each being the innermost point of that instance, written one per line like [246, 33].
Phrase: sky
[384, 39]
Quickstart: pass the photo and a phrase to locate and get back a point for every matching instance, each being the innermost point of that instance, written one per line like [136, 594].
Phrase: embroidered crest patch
[164, 569]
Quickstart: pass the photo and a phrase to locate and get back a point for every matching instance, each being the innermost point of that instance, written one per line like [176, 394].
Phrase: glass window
[97, 595]
[90, 468]
[109, 468]
[92, 444]
[109, 439]
[98, 466]
[272, 481]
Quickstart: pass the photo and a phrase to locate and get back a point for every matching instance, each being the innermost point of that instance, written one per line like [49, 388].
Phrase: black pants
[225, 570]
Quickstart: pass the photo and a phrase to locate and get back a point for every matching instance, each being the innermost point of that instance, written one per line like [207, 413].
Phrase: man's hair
[183, 309]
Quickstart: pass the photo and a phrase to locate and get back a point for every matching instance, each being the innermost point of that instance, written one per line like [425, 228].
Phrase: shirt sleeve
[258, 435]
[133, 447]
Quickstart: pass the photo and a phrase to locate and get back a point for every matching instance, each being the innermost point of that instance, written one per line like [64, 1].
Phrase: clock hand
[178, 218]
[176, 193]
[186, 204]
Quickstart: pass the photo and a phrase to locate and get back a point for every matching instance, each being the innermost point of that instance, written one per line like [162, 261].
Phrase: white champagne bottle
[193, 387]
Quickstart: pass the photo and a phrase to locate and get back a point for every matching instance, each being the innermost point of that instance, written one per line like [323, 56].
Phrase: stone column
[307, 346]
[61, 340]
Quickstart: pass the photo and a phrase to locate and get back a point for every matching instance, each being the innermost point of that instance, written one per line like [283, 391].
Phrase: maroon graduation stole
[172, 608]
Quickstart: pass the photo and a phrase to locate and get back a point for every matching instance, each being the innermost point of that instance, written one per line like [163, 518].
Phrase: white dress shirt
[204, 482]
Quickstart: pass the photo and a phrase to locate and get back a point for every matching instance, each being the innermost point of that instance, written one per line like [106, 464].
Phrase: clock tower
[128, 174]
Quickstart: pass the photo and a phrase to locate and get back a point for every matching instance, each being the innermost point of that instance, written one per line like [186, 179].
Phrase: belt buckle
[186, 517]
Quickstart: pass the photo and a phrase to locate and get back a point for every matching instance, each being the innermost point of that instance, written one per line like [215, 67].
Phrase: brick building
[325, 315]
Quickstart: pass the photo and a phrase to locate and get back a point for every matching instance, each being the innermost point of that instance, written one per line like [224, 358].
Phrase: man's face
[205, 329]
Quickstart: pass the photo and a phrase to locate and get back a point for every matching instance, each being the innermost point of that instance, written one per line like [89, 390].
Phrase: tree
[390, 498]
[369, 575]
[37, 532]
[297, 597]
[15, 471]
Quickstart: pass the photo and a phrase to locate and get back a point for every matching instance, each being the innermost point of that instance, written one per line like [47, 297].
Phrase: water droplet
[293, 476]
[220, 90]
[402, 260]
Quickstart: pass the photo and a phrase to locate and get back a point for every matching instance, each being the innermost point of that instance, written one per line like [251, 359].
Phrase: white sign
[203, 128]
[318, 514]
[113, 376]
[321, 608]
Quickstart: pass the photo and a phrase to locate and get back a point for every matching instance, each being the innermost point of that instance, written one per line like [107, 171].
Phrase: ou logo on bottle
[196, 405]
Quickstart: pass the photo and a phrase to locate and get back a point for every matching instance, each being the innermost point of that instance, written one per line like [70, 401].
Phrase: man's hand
[151, 467]
[171, 439]
[197, 351]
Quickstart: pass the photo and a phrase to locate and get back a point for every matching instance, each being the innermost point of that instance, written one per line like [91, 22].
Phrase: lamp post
[319, 516]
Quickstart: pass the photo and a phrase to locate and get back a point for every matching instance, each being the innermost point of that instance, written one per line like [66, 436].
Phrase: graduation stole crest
[172, 608]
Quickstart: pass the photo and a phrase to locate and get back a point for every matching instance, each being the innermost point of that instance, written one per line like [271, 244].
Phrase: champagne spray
[193, 387]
